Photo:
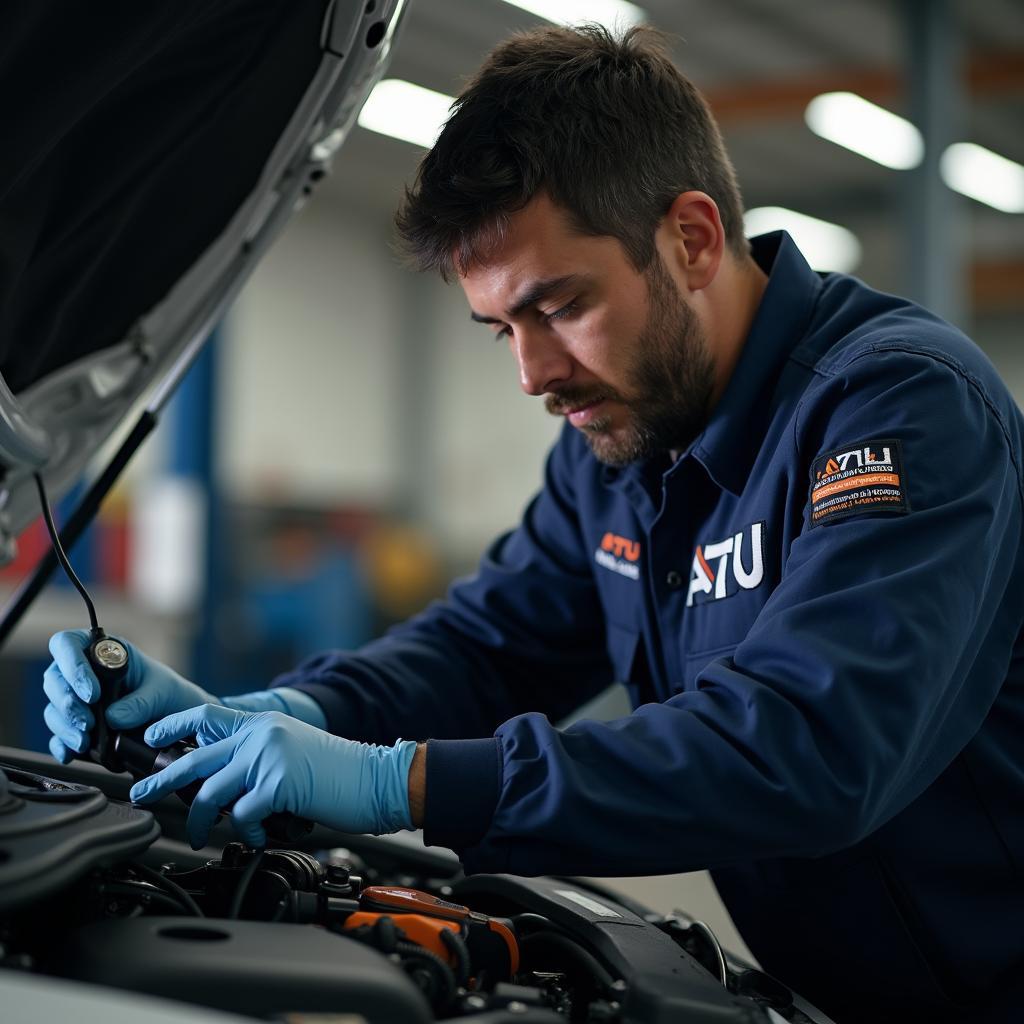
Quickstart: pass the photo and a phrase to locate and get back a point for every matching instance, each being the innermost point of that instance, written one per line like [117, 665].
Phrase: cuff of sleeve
[463, 786]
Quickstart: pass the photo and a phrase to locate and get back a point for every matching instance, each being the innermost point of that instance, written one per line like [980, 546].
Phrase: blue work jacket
[816, 610]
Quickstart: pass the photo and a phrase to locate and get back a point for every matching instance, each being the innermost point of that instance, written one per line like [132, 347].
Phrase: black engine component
[249, 967]
[52, 833]
[624, 962]
[286, 885]
[381, 934]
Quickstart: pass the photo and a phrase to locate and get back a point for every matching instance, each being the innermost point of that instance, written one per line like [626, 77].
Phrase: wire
[161, 880]
[457, 947]
[142, 891]
[444, 989]
[243, 884]
[58, 550]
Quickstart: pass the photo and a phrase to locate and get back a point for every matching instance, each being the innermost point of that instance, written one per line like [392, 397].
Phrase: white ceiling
[739, 49]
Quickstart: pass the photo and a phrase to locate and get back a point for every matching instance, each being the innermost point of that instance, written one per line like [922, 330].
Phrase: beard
[670, 383]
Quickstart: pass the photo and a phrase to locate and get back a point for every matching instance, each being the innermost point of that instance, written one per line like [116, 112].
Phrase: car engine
[99, 891]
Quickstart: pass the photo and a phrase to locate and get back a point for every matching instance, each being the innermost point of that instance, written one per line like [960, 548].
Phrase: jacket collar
[734, 434]
[728, 445]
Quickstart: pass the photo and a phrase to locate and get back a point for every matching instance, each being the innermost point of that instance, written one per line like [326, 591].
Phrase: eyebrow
[536, 292]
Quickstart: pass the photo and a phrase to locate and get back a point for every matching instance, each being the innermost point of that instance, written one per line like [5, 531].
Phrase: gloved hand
[153, 691]
[271, 762]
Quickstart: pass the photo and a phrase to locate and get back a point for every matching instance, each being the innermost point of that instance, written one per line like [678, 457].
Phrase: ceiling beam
[988, 74]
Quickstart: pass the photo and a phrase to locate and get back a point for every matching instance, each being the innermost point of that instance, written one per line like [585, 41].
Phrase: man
[785, 509]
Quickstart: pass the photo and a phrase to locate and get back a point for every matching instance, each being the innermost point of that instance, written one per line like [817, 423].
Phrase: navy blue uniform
[816, 610]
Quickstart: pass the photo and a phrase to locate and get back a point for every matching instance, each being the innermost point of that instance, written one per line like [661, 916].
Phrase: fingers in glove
[72, 738]
[216, 793]
[200, 763]
[138, 708]
[247, 817]
[65, 701]
[59, 751]
[209, 723]
[68, 650]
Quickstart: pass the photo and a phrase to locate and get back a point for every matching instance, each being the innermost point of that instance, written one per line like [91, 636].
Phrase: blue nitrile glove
[271, 762]
[154, 690]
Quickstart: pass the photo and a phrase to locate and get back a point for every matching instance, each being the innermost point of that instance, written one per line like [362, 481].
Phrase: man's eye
[560, 314]
[502, 332]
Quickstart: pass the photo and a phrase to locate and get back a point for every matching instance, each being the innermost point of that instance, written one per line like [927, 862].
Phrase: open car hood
[152, 154]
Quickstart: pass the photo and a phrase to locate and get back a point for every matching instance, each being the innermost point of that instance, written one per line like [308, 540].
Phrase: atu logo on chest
[714, 565]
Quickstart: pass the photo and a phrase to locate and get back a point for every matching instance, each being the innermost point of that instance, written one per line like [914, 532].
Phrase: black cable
[457, 947]
[172, 887]
[243, 884]
[413, 954]
[428, 971]
[76, 524]
[58, 550]
[142, 891]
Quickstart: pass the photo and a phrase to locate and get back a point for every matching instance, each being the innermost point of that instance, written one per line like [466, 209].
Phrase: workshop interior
[261, 436]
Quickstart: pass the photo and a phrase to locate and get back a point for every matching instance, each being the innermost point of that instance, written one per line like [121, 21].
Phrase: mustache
[558, 403]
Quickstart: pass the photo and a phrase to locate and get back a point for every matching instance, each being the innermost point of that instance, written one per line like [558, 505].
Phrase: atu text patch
[865, 477]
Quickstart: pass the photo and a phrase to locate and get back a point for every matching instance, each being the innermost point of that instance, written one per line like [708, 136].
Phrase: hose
[457, 947]
[171, 887]
[141, 891]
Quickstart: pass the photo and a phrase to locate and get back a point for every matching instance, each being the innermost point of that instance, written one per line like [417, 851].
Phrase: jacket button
[674, 580]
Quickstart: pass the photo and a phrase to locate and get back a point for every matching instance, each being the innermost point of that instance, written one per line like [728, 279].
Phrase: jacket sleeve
[870, 667]
[525, 632]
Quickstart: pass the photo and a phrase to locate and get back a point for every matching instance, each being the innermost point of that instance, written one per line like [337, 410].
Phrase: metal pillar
[191, 454]
[936, 234]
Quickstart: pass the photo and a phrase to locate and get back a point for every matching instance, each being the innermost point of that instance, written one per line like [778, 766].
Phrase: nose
[543, 362]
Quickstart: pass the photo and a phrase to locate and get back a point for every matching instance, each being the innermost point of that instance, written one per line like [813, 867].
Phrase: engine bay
[96, 890]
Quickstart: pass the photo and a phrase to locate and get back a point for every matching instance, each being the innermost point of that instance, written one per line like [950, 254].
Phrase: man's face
[619, 353]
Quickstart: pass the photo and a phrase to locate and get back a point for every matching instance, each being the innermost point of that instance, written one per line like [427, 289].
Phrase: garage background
[350, 441]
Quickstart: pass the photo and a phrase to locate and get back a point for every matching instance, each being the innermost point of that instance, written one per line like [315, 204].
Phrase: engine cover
[249, 967]
[53, 832]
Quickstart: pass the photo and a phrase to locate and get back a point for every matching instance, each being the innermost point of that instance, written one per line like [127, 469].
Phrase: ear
[692, 240]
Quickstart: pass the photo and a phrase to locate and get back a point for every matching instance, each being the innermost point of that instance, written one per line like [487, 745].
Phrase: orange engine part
[491, 941]
[424, 931]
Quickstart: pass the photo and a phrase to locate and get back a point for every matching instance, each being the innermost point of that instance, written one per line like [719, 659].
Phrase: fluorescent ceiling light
[612, 13]
[405, 111]
[850, 120]
[983, 175]
[825, 246]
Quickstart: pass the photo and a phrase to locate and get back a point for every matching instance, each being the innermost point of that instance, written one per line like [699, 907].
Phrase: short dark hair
[606, 125]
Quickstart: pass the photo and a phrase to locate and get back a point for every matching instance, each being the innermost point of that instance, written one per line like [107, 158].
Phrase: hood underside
[152, 153]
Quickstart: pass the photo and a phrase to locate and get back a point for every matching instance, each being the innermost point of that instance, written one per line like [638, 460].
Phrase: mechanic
[785, 509]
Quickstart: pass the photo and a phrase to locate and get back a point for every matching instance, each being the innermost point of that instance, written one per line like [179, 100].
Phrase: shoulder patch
[864, 477]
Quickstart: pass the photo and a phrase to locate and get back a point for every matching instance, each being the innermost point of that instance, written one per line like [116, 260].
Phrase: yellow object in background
[402, 566]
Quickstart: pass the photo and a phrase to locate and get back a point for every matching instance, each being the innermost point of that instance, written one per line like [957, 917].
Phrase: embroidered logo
[727, 566]
[620, 554]
[867, 477]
